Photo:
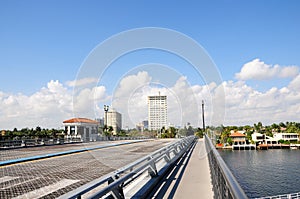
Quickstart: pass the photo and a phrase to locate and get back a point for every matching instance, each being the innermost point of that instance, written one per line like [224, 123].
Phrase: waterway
[265, 172]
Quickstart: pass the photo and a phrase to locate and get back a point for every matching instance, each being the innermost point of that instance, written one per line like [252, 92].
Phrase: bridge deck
[55, 176]
[190, 178]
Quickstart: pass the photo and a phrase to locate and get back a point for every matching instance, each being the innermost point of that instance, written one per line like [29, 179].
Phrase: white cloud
[295, 84]
[86, 100]
[48, 107]
[258, 70]
[131, 95]
[82, 82]
[129, 83]
[244, 104]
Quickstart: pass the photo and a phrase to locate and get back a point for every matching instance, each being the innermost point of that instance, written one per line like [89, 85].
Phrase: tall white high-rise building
[157, 112]
[114, 119]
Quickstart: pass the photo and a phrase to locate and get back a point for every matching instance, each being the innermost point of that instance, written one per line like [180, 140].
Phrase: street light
[106, 107]
[203, 121]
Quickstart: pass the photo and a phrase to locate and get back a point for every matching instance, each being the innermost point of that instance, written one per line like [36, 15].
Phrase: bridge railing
[137, 179]
[224, 183]
[11, 144]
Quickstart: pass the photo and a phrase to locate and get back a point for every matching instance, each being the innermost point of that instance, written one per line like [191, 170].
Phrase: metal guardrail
[224, 183]
[137, 178]
[284, 196]
[11, 144]
[31, 142]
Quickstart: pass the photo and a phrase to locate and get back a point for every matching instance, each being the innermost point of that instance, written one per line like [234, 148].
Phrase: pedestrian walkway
[196, 181]
[190, 178]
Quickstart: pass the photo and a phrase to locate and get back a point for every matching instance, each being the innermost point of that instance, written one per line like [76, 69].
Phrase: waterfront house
[238, 138]
[81, 129]
[258, 137]
[240, 142]
[292, 137]
[263, 139]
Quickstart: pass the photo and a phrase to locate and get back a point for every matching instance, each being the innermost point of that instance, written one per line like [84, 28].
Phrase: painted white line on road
[16, 184]
[7, 178]
[47, 189]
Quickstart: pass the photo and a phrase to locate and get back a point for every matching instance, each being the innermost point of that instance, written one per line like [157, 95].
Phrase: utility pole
[203, 121]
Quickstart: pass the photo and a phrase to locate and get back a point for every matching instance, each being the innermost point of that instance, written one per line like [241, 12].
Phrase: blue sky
[42, 41]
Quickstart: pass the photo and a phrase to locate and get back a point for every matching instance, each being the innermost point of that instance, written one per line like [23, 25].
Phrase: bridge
[150, 168]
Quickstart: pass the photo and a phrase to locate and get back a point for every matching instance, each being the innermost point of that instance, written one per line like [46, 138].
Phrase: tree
[182, 132]
[224, 135]
[122, 133]
[275, 127]
[172, 132]
[268, 131]
[110, 130]
[163, 133]
[190, 131]
[281, 124]
[38, 129]
[105, 130]
[229, 141]
[199, 133]
[291, 128]
[258, 127]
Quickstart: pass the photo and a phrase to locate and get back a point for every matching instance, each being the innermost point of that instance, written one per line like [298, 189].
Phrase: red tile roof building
[82, 129]
[238, 138]
[80, 120]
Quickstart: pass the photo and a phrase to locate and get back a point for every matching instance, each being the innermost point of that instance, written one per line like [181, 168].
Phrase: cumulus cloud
[258, 70]
[48, 107]
[55, 102]
[130, 98]
[295, 84]
[244, 104]
[82, 82]
[85, 101]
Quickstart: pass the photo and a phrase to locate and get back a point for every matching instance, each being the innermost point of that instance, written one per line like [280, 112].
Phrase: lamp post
[106, 107]
[203, 121]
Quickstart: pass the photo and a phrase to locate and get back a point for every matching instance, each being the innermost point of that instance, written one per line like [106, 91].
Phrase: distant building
[157, 112]
[145, 124]
[101, 121]
[81, 129]
[142, 126]
[114, 119]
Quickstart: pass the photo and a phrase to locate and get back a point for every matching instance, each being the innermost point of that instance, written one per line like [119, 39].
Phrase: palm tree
[110, 130]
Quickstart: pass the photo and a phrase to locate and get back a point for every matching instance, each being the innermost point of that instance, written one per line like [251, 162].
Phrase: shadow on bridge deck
[190, 177]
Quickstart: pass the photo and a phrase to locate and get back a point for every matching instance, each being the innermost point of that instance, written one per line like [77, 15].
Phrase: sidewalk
[196, 180]
[190, 178]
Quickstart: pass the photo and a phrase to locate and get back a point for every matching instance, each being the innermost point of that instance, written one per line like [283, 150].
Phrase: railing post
[117, 191]
[152, 171]
[167, 156]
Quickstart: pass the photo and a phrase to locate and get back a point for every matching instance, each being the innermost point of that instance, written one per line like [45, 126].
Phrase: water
[265, 172]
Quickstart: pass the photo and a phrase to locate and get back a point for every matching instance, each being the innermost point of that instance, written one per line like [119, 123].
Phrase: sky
[251, 46]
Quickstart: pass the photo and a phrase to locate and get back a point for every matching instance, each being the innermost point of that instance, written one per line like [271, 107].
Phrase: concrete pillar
[84, 134]
[76, 130]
